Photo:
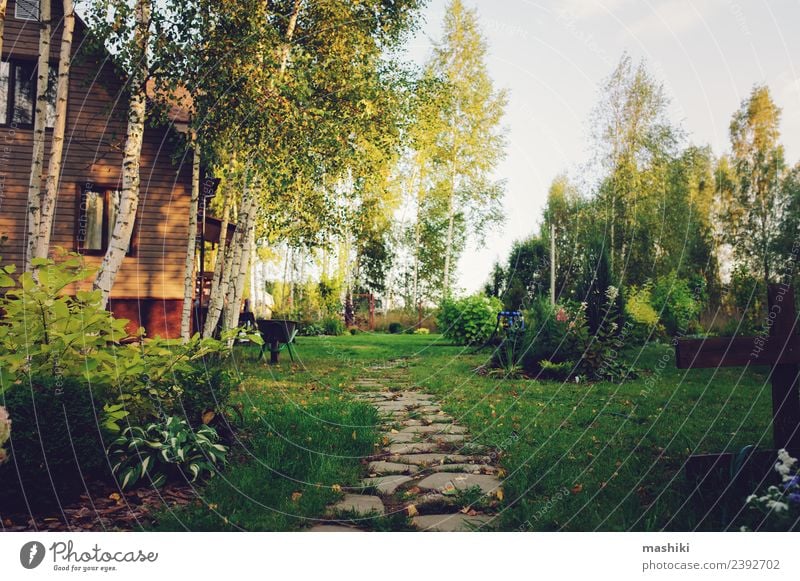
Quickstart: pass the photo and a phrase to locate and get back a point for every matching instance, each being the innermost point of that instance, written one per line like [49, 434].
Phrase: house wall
[149, 286]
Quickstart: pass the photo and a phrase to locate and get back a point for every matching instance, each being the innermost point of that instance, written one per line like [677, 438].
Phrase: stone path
[426, 467]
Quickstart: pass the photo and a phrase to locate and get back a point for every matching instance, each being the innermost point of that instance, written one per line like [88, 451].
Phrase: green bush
[642, 318]
[333, 326]
[678, 304]
[469, 321]
[395, 328]
[166, 449]
[56, 444]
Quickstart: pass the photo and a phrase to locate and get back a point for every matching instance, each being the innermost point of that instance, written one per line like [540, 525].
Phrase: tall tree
[39, 124]
[758, 201]
[137, 51]
[634, 140]
[49, 199]
[471, 143]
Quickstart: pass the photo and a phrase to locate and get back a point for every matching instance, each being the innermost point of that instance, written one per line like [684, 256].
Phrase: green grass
[577, 457]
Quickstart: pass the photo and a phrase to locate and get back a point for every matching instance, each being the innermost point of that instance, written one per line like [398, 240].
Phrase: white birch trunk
[191, 246]
[39, 121]
[217, 293]
[3, 5]
[238, 263]
[59, 125]
[129, 202]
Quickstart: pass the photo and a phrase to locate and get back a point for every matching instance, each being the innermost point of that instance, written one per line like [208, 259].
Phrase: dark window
[27, 10]
[18, 93]
[97, 214]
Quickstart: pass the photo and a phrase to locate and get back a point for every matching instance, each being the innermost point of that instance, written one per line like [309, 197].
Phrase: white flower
[777, 506]
[611, 293]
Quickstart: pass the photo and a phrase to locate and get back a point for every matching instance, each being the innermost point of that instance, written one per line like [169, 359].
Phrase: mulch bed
[103, 510]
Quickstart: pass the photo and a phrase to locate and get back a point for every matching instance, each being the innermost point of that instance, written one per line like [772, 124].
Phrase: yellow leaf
[411, 510]
[114, 496]
[208, 416]
[354, 434]
[296, 496]
[336, 488]
[500, 495]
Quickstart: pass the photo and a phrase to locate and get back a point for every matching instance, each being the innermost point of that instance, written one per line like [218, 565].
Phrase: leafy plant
[164, 449]
[333, 326]
[779, 505]
[5, 432]
[49, 331]
[469, 321]
[395, 328]
[422, 331]
[678, 303]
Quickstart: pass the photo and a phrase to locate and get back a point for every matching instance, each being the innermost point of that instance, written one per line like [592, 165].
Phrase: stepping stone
[435, 429]
[383, 467]
[333, 529]
[409, 423]
[429, 409]
[442, 481]
[361, 504]
[471, 468]
[429, 459]
[386, 484]
[437, 419]
[390, 406]
[399, 438]
[414, 448]
[450, 523]
[447, 438]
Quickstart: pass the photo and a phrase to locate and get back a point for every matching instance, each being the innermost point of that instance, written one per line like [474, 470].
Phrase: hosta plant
[165, 449]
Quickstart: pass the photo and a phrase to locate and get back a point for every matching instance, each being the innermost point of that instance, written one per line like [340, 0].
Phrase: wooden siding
[93, 153]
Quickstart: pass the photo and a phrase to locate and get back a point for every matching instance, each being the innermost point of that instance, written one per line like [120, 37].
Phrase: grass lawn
[577, 457]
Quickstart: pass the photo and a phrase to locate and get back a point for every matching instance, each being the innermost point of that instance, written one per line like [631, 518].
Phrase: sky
[552, 56]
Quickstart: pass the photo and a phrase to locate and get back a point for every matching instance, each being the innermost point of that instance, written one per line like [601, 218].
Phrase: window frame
[12, 82]
[88, 186]
[35, 17]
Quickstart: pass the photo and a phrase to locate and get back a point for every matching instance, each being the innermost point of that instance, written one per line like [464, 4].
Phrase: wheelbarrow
[276, 333]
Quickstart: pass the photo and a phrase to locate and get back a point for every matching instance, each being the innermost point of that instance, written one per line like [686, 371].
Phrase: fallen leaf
[354, 434]
[115, 496]
[411, 510]
[336, 488]
[208, 416]
[499, 494]
[296, 496]
[577, 489]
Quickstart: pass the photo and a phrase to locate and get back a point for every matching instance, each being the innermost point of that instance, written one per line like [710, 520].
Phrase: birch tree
[189, 264]
[39, 124]
[129, 199]
[45, 226]
[472, 143]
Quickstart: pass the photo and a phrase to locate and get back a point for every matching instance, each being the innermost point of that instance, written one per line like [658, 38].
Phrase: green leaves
[469, 321]
[163, 449]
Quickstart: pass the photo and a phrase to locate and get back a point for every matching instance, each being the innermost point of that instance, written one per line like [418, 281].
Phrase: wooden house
[149, 286]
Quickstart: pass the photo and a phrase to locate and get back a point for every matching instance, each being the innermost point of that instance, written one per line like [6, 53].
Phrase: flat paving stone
[437, 419]
[442, 481]
[399, 438]
[384, 467]
[362, 504]
[390, 406]
[386, 484]
[413, 448]
[450, 523]
[429, 459]
[409, 423]
[447, 438]
[333, 529]
[471, 468]
[435, 429]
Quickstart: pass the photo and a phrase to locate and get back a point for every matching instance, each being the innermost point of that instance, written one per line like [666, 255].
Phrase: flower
[611, 293]
[794, 497]
[561, 315]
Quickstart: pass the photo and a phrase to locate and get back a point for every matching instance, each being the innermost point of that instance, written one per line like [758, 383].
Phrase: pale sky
[551, 55]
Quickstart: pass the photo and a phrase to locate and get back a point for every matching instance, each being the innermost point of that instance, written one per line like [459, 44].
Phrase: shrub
[5, 432]
[678, 304]
[333, 326]
[204, 389]
[56, 444]
[469, 321]
[641, 316]
[547, 335]
[310, 330]
[163, 450]
[395, 328]
[353, 330]
[47, 331]
[422, 331]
